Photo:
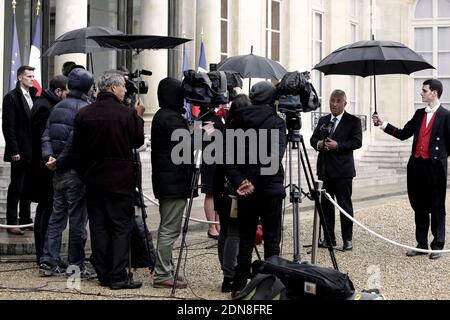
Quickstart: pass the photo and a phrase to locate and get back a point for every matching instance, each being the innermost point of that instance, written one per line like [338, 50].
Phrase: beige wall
[247, 27]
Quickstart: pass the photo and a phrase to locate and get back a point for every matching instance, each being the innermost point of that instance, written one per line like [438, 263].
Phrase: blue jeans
[69, 202]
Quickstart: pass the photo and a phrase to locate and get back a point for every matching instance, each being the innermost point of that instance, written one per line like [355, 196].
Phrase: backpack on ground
[263, 287]
[306, 281]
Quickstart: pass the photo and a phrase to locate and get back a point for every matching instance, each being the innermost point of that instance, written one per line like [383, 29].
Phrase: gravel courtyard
[372, 263]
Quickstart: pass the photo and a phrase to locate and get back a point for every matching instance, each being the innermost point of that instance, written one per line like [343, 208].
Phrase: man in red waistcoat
[427, 166]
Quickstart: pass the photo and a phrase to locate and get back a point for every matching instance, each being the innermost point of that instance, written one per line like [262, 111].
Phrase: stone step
[376, 181]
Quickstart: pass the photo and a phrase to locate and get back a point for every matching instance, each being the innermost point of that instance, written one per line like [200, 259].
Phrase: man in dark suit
[16, 127]
[427, 166]
[335, 137]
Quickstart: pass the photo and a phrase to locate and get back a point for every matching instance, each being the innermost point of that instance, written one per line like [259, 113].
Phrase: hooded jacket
[57, 137]
[259, 117]
[169, 180]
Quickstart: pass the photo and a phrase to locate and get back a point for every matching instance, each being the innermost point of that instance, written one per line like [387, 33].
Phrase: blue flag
[202, 60]
[15, 57]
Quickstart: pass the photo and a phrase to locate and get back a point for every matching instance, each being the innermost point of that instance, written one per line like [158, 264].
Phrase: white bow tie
[430, 110]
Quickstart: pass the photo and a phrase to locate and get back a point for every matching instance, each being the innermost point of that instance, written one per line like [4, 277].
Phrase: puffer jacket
[58, 134]
[57, 137]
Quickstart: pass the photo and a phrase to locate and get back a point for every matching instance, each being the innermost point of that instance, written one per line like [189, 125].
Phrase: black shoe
[324, 244]
[435, 255]
[227, 284]
[348, 245]
[212, 236]
[413, 253]
[125, 285]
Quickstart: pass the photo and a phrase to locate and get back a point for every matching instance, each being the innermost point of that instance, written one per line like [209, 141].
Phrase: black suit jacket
[338, 163]
[16, 124]
[440, 134]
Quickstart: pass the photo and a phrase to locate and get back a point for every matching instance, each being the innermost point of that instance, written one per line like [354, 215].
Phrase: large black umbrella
[138, 42]
[253, 66]
[371, 58]
[79, 41]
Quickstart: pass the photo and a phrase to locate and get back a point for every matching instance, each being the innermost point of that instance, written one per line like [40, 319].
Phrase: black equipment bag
[263, 287]
[139, 254]
[219, 87]
[197, 88]
[306, 281]
[297, 84]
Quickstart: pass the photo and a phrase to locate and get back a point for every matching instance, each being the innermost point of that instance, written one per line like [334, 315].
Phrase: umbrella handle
[377, 123]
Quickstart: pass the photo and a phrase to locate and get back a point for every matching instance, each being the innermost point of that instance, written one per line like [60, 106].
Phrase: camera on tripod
[296, 93]
[210, 90]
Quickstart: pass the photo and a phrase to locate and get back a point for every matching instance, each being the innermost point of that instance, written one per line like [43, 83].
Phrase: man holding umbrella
[427, 166]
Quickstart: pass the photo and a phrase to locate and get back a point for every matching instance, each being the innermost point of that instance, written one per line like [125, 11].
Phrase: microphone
[327, 127]
[145, 72]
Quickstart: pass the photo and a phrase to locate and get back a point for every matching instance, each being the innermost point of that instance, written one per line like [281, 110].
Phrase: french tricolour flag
[35, 55]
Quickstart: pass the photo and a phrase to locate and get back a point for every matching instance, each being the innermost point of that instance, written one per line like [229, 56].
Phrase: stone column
[208, 21]
[70, 15]
[188, 30]
[154, 21]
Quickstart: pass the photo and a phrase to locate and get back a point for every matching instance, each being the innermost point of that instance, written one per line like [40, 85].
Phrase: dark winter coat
[41, 176]
[105, 133]
[169, 180]
[259, 117]
[16, 124]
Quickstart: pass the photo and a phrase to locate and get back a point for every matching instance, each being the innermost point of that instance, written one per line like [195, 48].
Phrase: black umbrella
[138, 42]
[367, 58]
[78, 41]
[253, 66]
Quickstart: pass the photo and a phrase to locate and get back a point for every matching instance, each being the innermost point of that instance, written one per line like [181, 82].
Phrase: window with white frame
[273, 31]
[431, 26]
[317, 49]
[224, 30]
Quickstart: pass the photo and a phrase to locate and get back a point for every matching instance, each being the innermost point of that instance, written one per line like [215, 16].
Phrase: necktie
[334, 125]
[29, 100]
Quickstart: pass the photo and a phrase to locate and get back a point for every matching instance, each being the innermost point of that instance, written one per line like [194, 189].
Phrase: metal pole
[294, 202]
[316, 224]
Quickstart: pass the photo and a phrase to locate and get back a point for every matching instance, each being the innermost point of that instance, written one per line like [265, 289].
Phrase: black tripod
[296, 142]
[138, 181]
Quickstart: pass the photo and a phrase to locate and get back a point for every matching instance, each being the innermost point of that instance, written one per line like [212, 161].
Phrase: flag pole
[38, 7]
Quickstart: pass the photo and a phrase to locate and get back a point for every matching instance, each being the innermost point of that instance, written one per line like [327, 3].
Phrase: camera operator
[335, 164]
[170, 181]
[259, 196]
[105, 133]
